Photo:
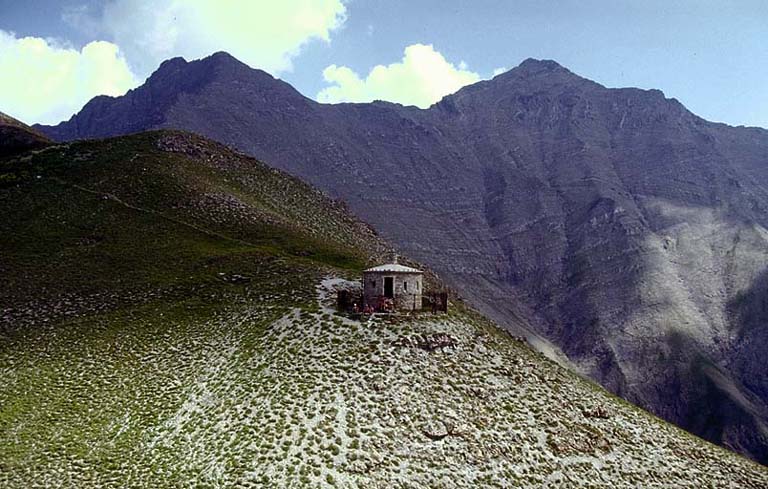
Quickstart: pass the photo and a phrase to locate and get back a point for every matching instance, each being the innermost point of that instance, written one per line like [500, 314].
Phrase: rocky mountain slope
[613, 224]
[167, 321]
[16, 137]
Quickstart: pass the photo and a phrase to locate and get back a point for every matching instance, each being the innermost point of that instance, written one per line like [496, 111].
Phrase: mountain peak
[218, 61]
[172, 64]
[223, 57]
[218, 76]
[221, 60]
[530, 75]
[533, 64]
[178, 74]
[532, 67]
[223, 65]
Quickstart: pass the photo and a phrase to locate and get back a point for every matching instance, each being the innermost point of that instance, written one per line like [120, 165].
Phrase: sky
[55, 55]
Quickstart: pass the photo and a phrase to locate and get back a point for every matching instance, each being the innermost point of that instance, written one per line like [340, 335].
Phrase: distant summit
[152, 105]
[533, 65]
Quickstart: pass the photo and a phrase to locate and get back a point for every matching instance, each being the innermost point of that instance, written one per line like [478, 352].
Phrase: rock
[429, 343]
[435, 430]
[599, 412]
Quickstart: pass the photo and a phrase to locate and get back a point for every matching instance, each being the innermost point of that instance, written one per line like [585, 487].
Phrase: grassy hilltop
[16, 137]
[165, 321]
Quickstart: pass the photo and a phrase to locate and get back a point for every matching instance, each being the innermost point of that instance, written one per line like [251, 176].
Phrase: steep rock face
[626, 231]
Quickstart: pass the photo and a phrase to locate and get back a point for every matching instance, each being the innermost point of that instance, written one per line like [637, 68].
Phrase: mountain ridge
[626, 231]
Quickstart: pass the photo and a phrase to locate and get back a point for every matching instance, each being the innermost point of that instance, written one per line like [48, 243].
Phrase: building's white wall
[406, 300]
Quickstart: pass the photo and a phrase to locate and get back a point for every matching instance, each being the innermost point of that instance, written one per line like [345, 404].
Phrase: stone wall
[408, 288]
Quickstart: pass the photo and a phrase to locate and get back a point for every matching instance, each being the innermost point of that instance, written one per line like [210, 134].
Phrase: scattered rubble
[430, 343]
[268, 394]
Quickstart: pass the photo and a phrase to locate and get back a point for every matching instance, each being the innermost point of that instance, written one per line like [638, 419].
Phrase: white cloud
[421, 78]
[265, 34]
[498, 71]
[43, 81]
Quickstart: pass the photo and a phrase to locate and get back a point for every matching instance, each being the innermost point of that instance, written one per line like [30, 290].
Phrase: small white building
[393, 283]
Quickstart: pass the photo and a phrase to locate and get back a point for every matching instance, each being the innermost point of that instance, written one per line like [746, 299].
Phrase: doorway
[389, 287]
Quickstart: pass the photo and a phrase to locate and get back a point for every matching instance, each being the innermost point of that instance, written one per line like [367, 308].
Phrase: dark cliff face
[626, 231]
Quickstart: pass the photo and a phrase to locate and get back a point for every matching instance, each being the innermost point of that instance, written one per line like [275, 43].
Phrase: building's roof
[393, 268]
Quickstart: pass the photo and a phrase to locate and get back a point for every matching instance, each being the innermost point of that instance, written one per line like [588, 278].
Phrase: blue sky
[710, 55]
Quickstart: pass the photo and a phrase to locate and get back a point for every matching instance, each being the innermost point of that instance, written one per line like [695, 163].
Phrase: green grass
[122, 218]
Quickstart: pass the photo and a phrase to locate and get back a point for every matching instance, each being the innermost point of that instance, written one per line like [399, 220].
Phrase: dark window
[405, 286]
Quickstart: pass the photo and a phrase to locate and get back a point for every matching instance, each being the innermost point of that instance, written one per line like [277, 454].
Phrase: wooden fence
[432, 301]
[435, 302]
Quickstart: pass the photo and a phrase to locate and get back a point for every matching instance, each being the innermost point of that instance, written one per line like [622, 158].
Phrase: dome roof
[392, 268]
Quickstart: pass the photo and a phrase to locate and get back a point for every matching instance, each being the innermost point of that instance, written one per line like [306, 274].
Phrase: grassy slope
[122, 220]
[131, 358]
[16, 137]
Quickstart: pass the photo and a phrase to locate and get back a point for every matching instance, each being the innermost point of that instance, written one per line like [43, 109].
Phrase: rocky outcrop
[628, 233]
